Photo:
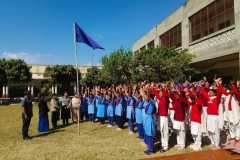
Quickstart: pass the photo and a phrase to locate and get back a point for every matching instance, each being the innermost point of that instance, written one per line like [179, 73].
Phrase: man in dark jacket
[26, 114]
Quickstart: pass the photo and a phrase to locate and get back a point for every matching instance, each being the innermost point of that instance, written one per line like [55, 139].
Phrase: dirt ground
[206, 155]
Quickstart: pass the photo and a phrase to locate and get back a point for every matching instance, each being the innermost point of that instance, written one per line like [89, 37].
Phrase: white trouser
[196, 132]
[171, 116]
[204, 119]
[213, 129]
[179, 126]
[164, 131]
[221, 116]
[238, 131]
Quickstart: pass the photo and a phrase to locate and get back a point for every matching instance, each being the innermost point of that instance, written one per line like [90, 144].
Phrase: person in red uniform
[195, 104]
[213, 118]
[179, 106]
[163, 102]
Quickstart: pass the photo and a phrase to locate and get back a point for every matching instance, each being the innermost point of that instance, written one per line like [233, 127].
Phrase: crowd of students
[159, 109]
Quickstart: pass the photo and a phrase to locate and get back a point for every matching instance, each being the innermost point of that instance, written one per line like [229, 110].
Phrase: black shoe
[163, 150]
[148, 153]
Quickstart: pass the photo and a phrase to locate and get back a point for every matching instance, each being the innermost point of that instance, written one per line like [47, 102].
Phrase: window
[143, 48]
[151, 44]
[172, 38]
[216, 16]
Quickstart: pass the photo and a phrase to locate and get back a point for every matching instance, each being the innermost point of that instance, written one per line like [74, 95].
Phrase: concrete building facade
[39, 70]
[210, 29]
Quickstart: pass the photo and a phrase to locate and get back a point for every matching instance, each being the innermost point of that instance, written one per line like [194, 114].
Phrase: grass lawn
[95, 141]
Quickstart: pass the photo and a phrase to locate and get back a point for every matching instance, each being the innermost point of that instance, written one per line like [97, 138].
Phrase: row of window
[216, 16]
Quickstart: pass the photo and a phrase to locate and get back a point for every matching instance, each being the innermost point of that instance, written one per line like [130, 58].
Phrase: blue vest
[119, 106]
[100, 107]
[130, 109]
[91, 106]
[138, 112]
[110, 109]
[149, 126]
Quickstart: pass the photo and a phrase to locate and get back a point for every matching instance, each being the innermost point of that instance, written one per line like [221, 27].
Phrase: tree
[14, 71]
[63, 75]
[161, 64]
[92, 77]
[117, 67]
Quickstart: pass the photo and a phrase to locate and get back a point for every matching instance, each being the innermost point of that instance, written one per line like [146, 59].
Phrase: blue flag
[82, 37]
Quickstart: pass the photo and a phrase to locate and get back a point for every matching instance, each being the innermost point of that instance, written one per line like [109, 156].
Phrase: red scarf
[230, 103]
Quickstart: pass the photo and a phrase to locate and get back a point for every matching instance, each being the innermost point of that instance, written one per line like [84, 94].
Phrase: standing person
[26, 114]
[139, 116]
[179, 106]
[163, 116]
[195, 103]
[149, 126]
[119, 110]
[91, 107]
[43, 124]
[213, 119]
[65, 109]
[54, 111]
[76, 108]
[130, 111]
[110, 109]
[100, 102]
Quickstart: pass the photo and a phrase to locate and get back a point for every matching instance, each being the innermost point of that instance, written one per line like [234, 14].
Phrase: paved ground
[206, 155]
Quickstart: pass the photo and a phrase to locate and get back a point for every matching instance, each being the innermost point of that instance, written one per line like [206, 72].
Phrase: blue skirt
[43, 124]
[101, 111]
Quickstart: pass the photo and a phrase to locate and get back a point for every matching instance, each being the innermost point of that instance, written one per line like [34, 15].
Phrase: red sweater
[213, 103]
[196, 110]
[162, 106]
[163, 102]
[179, 109]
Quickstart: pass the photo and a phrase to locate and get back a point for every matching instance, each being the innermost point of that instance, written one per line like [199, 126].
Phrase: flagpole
[76, 60]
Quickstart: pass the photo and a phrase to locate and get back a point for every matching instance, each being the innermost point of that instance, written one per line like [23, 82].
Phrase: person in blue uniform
[91, 107]
[149, 127]
[110, 108]
[83, 108]
[119, 110]
[43, 123]
[139, 115]
[130, 111]
[100, 103]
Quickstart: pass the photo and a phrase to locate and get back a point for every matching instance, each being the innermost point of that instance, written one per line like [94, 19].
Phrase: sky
[41, 31]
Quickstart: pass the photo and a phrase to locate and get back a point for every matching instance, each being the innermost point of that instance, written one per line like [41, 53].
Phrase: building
[210, 29]
[39, 70]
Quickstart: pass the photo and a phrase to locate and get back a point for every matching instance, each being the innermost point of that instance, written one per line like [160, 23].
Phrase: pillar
[6, 91]
[32, 91]
[237, 28]
[55, 91]
[3, 91]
